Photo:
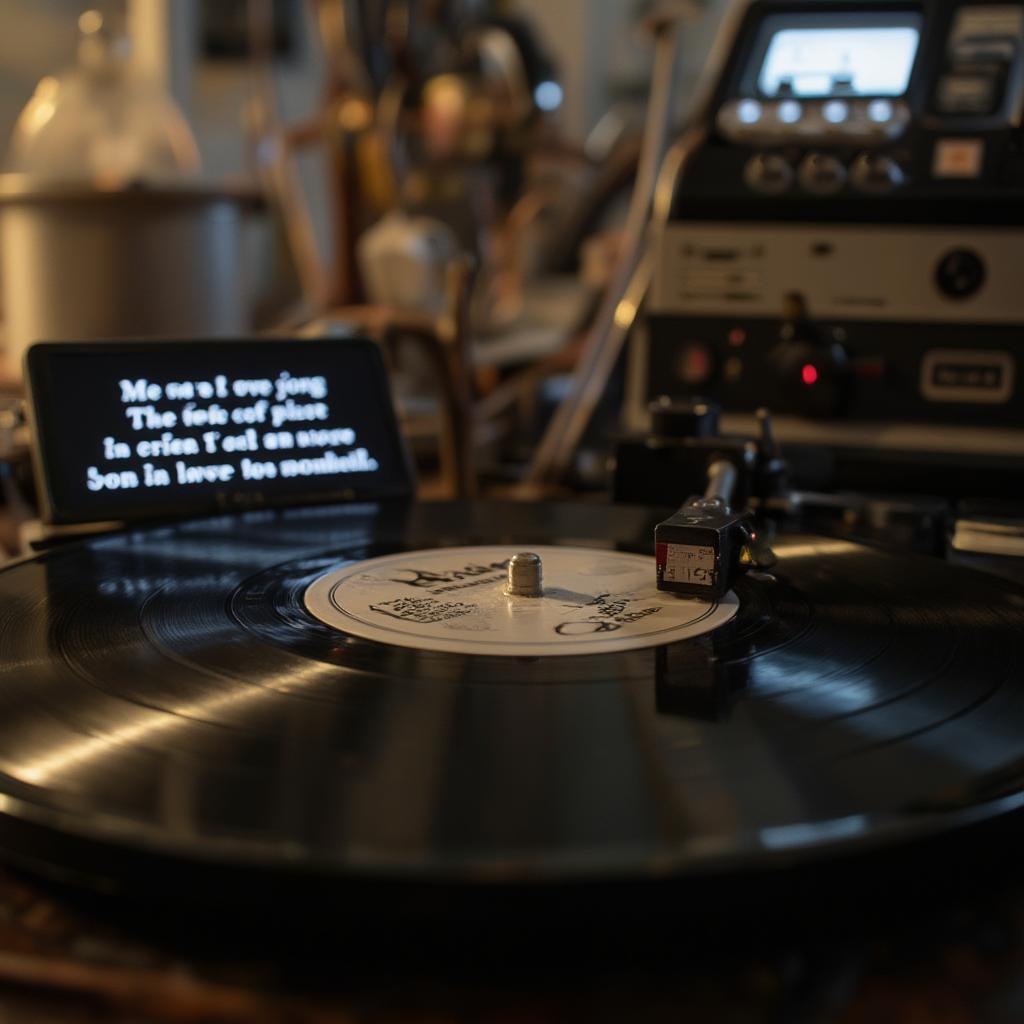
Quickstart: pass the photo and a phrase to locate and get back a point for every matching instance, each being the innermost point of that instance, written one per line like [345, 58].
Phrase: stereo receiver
[844, 244]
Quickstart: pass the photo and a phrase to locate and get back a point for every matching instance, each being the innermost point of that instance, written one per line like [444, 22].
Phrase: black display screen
[126, 430]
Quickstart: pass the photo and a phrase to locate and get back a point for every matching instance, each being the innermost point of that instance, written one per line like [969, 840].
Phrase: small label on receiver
[963, 375]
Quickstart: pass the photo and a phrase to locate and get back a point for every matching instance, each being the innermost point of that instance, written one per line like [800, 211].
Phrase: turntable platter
[167, 689]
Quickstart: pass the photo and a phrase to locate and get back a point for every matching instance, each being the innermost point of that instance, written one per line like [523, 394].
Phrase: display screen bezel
[56, 505]
[776, 21]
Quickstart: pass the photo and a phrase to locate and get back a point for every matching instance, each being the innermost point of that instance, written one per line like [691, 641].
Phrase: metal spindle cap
[525, 575]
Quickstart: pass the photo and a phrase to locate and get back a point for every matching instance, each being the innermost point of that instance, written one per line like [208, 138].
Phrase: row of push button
[822, 173]
[868, 121]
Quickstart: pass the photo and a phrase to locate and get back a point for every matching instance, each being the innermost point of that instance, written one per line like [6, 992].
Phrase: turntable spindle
[525, 575]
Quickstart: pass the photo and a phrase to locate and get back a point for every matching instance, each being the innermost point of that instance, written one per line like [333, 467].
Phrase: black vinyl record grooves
[164, 692]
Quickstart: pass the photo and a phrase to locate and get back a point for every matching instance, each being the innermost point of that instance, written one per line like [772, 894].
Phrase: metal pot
[80, 264]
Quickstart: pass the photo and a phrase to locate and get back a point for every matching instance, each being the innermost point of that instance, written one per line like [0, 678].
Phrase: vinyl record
[167, 691]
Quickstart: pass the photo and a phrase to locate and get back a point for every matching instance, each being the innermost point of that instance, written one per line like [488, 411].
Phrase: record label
[454, 600]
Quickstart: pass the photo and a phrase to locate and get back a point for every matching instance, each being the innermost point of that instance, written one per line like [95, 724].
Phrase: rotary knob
[821, 174]
[960, 273]
[768, 173]
[876, 172]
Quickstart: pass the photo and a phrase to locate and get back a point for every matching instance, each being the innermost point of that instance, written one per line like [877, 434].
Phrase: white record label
[454, 600]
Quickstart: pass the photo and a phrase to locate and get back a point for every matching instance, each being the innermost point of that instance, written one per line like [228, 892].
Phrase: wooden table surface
[59, 961]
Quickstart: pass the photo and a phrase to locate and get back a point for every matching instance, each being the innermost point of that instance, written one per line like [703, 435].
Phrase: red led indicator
[809, 374]
[737, 336]
[695, 365]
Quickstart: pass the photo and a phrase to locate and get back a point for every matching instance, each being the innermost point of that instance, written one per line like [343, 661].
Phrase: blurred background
[450, 176]
[197, 48]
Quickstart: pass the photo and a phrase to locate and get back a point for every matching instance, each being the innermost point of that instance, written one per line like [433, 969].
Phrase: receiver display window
[839, 61]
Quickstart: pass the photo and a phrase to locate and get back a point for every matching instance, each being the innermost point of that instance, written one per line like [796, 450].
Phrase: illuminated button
[809, 374]
[789, 111]
[835, 111]
[821, 174]
[880, 111]
[958, 158]
[748, 112]
[768, 173]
